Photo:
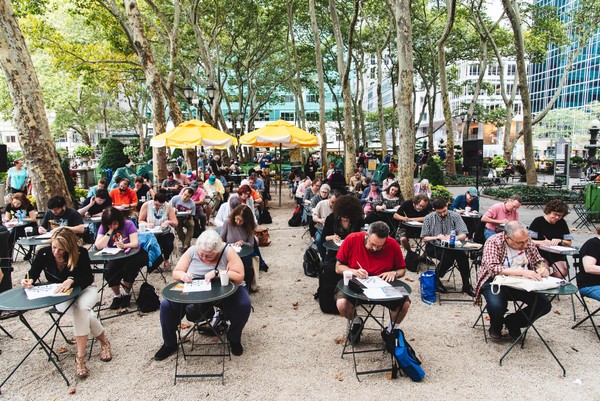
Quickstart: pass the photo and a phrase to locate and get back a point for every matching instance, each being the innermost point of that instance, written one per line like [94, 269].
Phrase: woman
[552, 229]
[370, 196]
[330, 171]
[205, 260]
[390, 199]
[158, 212]
[245, 194]
[588, 276]
[239, 230]
[68, 264]
[115, 231]
[19, 204]
[423, 187]
[345, 219]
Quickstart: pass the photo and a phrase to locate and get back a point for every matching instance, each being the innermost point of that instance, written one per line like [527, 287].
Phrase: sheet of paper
[414, 223]
[559, 248]
[42, 291]
[197, 286]
[156, 229]
[385, 292]
[374, 282]
[554, 280]
[472, 245]
[236, 248]
[109, 251]
[44, 236]
[338, 243]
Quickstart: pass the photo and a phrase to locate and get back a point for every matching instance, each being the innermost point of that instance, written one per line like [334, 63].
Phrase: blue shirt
[17, 177]
[461, 202]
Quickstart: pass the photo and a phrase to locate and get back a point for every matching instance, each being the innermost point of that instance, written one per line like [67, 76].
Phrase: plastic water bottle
[452, 240]
[20, 216]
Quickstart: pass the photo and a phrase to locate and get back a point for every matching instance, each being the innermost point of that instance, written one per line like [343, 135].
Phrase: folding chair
[589, 315]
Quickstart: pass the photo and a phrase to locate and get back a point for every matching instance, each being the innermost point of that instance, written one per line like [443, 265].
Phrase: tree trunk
[380, 115]
[406, 160]
[321, 82]
[29, 112]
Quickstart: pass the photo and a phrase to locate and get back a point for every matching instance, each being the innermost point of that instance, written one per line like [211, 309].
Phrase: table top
[332, 246]
[245, 251]
[413, 224]
[460, 246]
[557, 250]
[567, 289]
[96, 257]
[216, 293]
[181, 215]
[33, 241]
[359, 295]
[92, 220]
[471, 216]
[155, 231]
[15, 223]
[16, 299]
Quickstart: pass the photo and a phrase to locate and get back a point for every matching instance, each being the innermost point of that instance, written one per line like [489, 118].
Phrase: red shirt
[353, 251]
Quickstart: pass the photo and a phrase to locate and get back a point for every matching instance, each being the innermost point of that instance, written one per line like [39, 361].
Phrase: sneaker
[495, 335]
[125, 300]
[469, 291]
[116, 303]
[355, 332]
[164, 352]
[439, 287]
[236, 348]
[513, 332]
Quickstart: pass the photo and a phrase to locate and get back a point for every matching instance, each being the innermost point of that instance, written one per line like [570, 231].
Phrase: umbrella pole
[280, 174]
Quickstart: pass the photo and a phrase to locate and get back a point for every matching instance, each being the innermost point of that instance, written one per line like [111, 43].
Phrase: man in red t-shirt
[372, 253]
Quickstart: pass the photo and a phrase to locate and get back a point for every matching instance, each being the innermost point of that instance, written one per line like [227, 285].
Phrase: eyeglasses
[517, 242]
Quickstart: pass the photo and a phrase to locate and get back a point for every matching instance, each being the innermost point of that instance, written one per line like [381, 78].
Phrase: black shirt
[408, 209]
[71, 217]
[96, 208]
[590, 248]
[44, 261]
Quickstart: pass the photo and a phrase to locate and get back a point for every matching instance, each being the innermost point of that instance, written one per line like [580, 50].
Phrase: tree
[29, 115]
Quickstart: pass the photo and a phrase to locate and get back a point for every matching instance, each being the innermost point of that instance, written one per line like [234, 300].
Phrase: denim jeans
[497, 306]
[487, 233]
[591, 292]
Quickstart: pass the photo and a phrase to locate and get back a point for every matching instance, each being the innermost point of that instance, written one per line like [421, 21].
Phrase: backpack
[428, 286]
[147, 299]
[406, 358]
[265, 217]
[311, 262]
[328, 280]
[296, 220]
[412, 261]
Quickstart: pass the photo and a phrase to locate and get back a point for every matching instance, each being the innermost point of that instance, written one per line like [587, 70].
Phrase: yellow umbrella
[193, 133]
[283, 134]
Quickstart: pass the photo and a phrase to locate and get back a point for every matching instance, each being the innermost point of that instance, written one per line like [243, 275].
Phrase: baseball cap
[194, 184]
[473, 191]
[212, 179]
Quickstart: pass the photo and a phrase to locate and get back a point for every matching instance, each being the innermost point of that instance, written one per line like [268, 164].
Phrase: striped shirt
[434, 225]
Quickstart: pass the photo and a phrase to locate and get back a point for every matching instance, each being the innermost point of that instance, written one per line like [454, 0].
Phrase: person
[239, 230]
[373, 253]
[588, 276]
[102, 184]
[337, 180]
[391, 178]
[182, 178]
[215, 164]
[310, 168]
[205, 260]
[357, 183]
[411, 210]
[391, 198]
[225, 210]
[257, 184]
[437, 226]
[95, 205]
[185, 226]
[215, 191]
[320, 212]
[468, 199]
[511, 253]
[19, 203]
[318, 197]
[16, 178]
[124, 197]
[199, 198]
[115, 231]
[423, 187]
[305, 182]
[142, 190]
[115, 184]
[309, 194]
[66, 263]
[158, 212]
[202, 165]
[58, 214]
[552, 229]
[330, 171]
[501, 213]
[369, 196]
[171, 185]
[347, 217]
[265, 160]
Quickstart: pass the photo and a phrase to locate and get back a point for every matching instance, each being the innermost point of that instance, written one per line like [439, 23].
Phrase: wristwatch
[216, 272]
[396, 273]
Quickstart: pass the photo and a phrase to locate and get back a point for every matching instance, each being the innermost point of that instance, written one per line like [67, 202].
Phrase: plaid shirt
[435, 225]
[494, 255]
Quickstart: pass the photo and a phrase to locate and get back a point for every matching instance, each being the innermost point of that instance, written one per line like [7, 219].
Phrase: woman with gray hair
[225, 209]
[205, 260]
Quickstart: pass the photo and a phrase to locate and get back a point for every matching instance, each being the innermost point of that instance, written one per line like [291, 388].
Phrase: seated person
[469, 199]
[185, 227]
[247, 195]
[552, 229]
[305, 182]
[321, 195]
[414, 210]
[357, 183]
[215, 191]
[347, 217]
[370, 196]
[373, 253]
[64, 262]
[389, 180]
[59, 215]
[257, 184]
[337, 181]
[239, 230]
[423, 187]
[182, 178]
[390, 198]
[225, 209]
[20, 204]
[204, 260]
[511, 253]
[323, 209]
[102, 184]
[115, 231]
[588, 276]
[437, 226]
[124, 197]
[143, 190]
[158, 212]
[171, 185]
[501, 213]
[308, 195]
[95, 205]
[199, 199]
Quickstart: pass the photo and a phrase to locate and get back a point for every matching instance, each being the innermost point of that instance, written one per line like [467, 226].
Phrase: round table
[330, 245]
[173, 292]
[97, 256]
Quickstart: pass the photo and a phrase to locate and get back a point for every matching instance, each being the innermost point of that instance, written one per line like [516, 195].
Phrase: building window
[310, 98]
[511, 70]
[312, 116]
[474, 69]
[262, 116]
[373, 73]
[287, 116]
[11, 139]
[288, 98]
[493, 70]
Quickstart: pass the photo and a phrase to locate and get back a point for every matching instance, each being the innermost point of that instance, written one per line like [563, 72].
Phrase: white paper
[338, 243]
[385, 292]
[236, 248]
[374, 282]
[47, 235]
[42, 291]
[109, 251]
[156, 229]
[197, 286]
[558, 248]
[414, 223]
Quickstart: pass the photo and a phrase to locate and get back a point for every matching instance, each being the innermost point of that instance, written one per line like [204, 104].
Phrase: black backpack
[265, 217]
[412, 261]
[327, 283]
[147, 299]
[296, 220]
[311, 262]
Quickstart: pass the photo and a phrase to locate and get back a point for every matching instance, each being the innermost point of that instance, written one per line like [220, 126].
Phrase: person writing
[158, 212]
[372, 253]
[468, 199]
[207, 259]
[124, 197]
[66, 263]
[59, 215]
[511, 253]
[501, 213]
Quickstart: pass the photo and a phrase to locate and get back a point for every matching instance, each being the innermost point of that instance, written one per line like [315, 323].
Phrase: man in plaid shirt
[511, 253]
[437, 226]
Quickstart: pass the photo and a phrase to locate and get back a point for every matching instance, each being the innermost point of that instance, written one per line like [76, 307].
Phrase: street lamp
[242, 118]
[210, 90]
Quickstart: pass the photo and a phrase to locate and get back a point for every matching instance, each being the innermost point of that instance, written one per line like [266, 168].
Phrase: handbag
[427, 280]
[525, 284]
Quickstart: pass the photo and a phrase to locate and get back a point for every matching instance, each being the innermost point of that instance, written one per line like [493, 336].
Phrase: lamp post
[188, 92]
[594, 127]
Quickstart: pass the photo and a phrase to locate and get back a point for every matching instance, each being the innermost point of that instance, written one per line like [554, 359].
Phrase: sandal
[82, 370]
[105, 353]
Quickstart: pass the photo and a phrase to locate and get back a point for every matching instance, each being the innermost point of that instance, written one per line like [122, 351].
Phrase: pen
[508, 261]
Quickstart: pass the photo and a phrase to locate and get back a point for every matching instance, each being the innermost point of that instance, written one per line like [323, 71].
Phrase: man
[171, 185]
[469, 199]
[414, 210]
[511, 253]
[318, 197]
[184, 203]
[124, 197]
[501, 213]
[95, 205]
[372, 253]
[16, 178]
[182, 178]
[337, 180]
[215, 164]
[265, 160]
[215, 191]
[102, 184]
[437, 226]
[323, 209]
[202, 165]
[59, 215]
[357, 182]
[257, 184]
[142, 190]
[199, 198]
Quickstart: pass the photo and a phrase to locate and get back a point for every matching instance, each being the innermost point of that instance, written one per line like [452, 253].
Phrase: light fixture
[210, 89]
[188, 92]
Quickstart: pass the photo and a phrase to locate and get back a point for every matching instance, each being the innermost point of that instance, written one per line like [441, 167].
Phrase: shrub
[528, 194]
[460, 180]
[84, 151]
[113, 156]
[440, 191]
[498, 161]
[131, 150]
[433, 172]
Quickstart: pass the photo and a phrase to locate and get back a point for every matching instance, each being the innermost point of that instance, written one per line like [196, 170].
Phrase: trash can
[592, 197]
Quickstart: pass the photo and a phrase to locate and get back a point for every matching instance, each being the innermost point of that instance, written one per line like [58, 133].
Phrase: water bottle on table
[452, 240]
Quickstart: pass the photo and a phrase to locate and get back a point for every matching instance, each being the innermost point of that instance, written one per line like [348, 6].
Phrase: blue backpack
[428, 287]
[406, 358]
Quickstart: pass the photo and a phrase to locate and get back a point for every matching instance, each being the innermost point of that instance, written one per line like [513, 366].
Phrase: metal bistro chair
[589, 315]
